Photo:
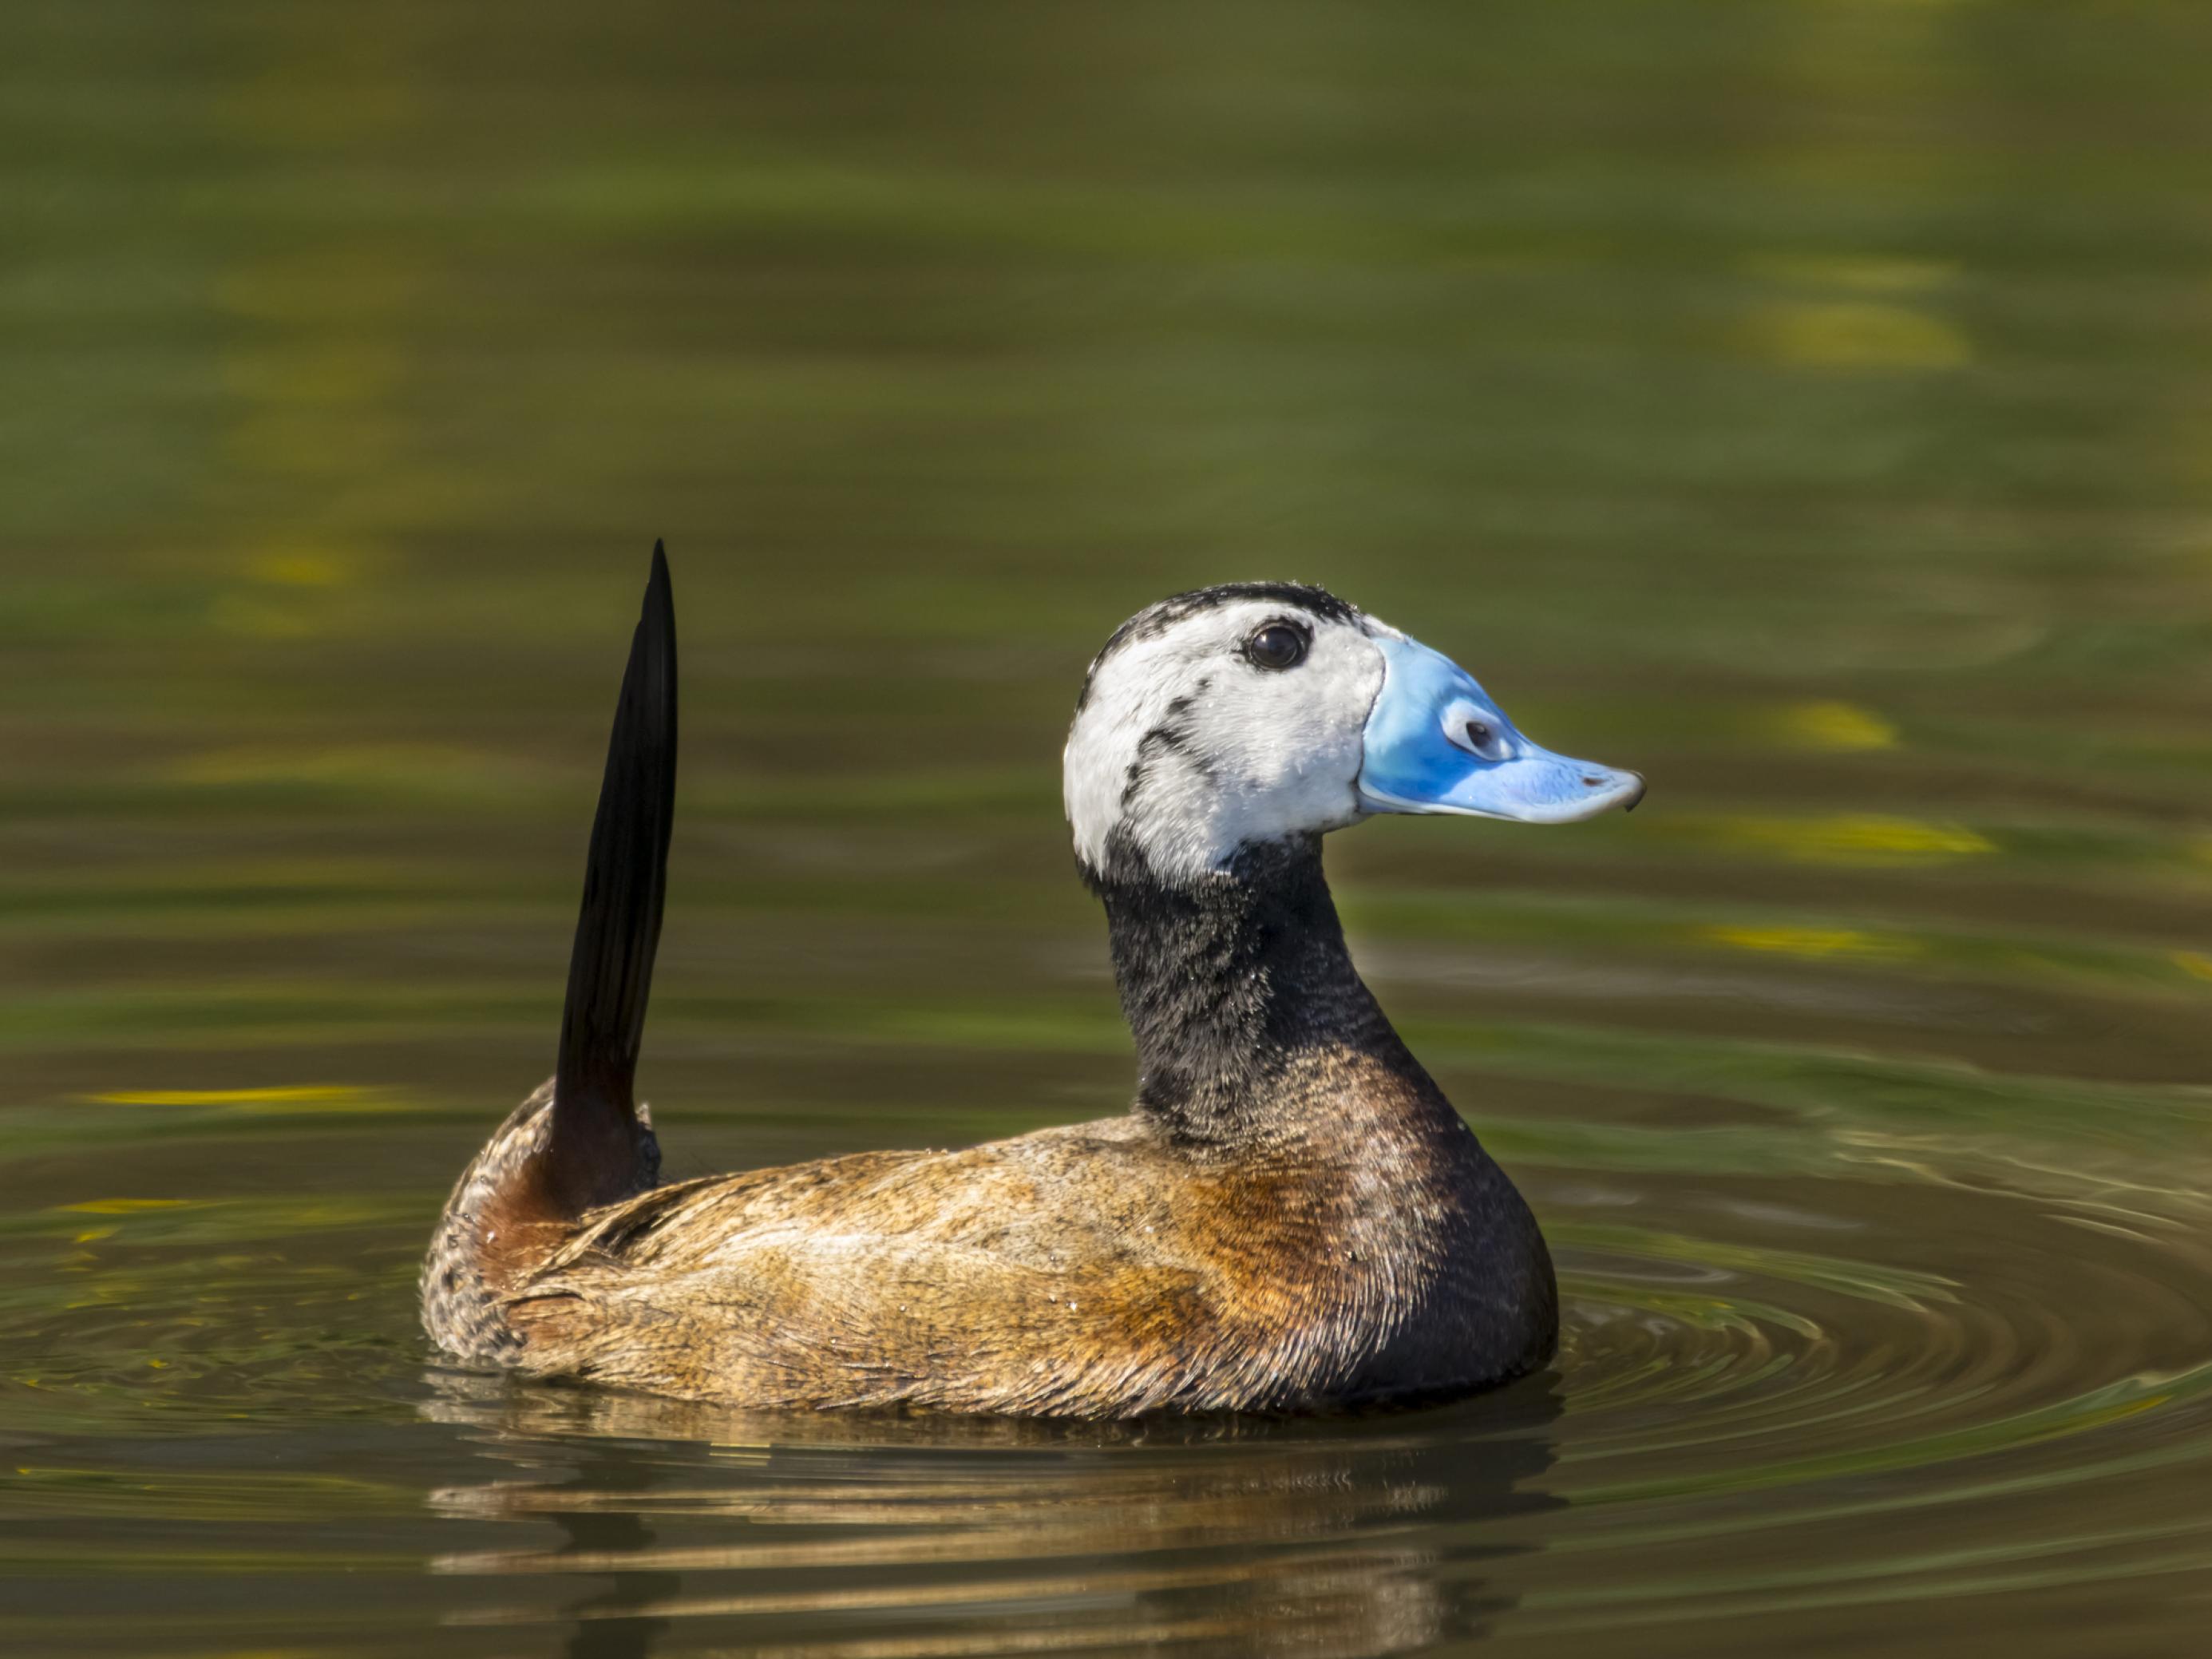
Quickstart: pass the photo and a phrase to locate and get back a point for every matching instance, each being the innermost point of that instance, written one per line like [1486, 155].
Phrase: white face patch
[1191, 750]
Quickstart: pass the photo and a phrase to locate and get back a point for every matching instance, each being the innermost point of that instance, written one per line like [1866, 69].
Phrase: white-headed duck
[1291, 1216]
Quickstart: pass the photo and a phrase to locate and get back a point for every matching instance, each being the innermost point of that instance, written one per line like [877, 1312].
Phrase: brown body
[1096, 1269]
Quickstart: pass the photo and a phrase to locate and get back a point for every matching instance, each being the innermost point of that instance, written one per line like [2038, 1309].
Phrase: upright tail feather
[589, 1157]
[590, 1144]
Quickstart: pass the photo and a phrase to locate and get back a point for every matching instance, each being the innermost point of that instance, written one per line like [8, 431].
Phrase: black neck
[1226, 980]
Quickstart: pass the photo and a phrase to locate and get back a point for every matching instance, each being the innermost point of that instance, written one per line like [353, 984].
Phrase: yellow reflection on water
[1814, 943]
[1858, 838]
[1854, 335]
[305, 567]
[1833, 726]
[303, 1094]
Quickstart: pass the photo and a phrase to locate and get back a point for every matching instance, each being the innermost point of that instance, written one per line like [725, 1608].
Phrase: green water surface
[1808, 403]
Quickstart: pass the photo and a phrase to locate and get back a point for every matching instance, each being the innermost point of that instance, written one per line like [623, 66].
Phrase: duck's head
[1260, 712]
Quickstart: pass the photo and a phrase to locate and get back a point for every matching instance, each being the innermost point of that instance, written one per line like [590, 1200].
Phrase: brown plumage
[1291, 1216]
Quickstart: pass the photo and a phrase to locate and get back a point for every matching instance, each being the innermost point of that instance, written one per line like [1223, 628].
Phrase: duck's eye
[1483, 739]
[1278, 646]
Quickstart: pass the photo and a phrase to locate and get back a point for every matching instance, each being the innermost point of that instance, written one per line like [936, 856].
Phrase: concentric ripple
[1849, 1397]
[1756, 1429]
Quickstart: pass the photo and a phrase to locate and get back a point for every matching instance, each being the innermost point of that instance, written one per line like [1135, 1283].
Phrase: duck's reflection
[850, 1538]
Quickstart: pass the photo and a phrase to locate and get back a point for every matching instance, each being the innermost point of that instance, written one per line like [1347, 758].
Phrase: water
[1808, 405]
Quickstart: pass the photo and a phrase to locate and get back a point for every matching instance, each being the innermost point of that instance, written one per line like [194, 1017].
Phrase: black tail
[590, 1156]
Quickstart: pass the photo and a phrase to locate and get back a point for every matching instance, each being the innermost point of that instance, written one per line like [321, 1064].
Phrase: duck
[1290, 1217]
